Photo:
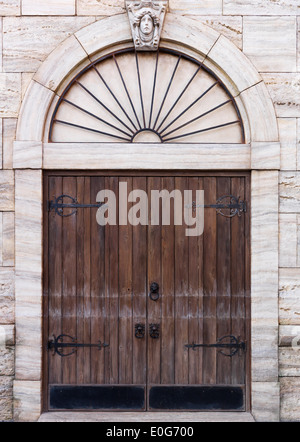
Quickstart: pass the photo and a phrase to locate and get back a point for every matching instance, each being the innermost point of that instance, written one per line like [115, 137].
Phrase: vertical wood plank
[238, 314]
[112, 291]
[201, 293]
[181, 296]
[97, 278]
[139, 288]
[55, 280]
[69, 308]
[248, 290]
[223, 283]
[167, 294]
[87, 303]
[81, 362]
[125, 293]
[154, 275]
[210, 282]
[194, 289]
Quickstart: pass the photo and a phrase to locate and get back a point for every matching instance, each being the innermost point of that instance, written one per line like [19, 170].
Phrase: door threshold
[68, 416]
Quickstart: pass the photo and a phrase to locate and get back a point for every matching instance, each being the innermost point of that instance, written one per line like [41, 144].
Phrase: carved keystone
[146, 20]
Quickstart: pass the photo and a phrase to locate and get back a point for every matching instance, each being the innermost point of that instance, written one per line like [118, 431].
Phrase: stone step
[145, 417]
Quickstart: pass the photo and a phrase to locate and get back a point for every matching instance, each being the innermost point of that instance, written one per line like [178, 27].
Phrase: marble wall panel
[54, 7]
[268, 50]
[261, 7]
[27, 41]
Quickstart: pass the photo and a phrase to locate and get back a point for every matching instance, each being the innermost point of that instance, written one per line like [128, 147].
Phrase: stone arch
[214, 50]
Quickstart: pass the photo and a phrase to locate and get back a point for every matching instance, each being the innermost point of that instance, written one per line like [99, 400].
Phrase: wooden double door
[144, 317]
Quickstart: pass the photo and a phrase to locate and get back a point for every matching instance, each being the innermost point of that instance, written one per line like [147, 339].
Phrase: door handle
[154, 331]
[154, 291]
[139, 331]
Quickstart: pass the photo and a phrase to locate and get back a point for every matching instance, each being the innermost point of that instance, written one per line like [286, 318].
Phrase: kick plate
[196, 398]
[96, 397]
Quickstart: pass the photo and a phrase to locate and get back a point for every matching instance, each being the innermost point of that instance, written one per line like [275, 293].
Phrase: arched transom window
[154, 97]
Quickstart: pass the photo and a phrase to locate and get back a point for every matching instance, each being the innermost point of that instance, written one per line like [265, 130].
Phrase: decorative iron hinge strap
[235, 206]
[234, 345]
[58, 205]
[58, 345]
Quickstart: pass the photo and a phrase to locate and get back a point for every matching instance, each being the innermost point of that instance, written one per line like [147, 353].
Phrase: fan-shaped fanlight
[151, 97]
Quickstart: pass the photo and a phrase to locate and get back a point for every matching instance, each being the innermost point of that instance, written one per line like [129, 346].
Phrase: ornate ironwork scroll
[234, 206]
[228, 346]
[58, 345]
[58, 205]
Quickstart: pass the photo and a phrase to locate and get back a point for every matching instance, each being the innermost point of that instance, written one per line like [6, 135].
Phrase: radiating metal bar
[131, 50]
[190, 106]
[167, 92]
[114, 97]
[198, 118]
[140, 88]
[180, 96]
[95, 116]
[127, 93]
[92, 130]
[202, 130]
[154, 86]
[104, 106]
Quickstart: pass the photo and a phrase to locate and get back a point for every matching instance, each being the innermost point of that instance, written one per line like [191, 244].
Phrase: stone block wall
[267, 32]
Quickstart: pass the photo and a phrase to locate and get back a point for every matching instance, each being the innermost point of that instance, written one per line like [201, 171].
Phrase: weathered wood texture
[98, 281]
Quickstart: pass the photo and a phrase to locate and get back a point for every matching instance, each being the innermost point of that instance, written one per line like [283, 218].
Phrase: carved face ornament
[147, 26]
[146, 19]
[146, 23]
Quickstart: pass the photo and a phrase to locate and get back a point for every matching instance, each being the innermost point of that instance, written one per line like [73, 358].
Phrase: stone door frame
[260, 154]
